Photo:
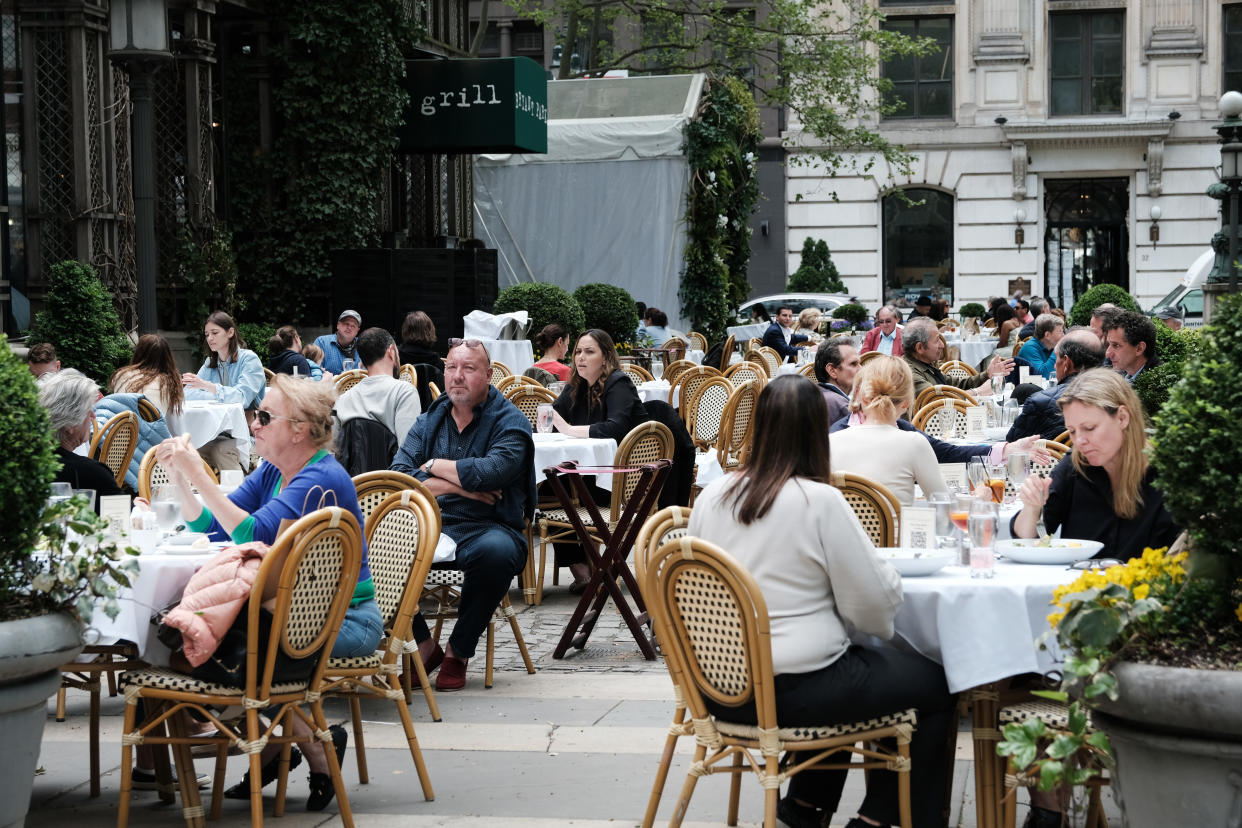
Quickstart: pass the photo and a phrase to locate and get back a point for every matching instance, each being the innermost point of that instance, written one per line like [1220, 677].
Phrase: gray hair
[67, 395]
[1039, 306]
[1082, 348]
[1046, 322]
[891, 309]
[918, 332]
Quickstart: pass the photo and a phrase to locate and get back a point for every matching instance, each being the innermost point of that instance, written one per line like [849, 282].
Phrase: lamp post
[1225, 271]
[139, 40]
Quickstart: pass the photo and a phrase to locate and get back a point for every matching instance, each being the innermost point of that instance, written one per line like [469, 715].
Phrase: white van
[1188, 295]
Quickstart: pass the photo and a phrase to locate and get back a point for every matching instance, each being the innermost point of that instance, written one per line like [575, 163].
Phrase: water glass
[996, 481]
[1018, 464]
[942, 502]
[89, 494]
[60, 492]
[543, 418]
[976, 473]
[961, 522]
[556, 387]
[984, 524]
[166, 503]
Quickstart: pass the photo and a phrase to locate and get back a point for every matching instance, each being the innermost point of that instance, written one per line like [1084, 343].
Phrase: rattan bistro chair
[713, 626]
[348, 379]
[743, 372]
[772, 359]
[114, 444]
[875, 506]
[956, 369]
[401, 541]
[687, 385]
[705, 413]
[528, 398]
[636, 373]
[697, 341]
[675, 369]
[314, 565]
[934, 417]
[499, 371]
[726, 353]
[152, 474]
[736, 433]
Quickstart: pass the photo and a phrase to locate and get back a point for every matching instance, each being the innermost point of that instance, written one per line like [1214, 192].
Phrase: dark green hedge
[608, 308]
[81, 322]
[1080, 314]
[546, 304]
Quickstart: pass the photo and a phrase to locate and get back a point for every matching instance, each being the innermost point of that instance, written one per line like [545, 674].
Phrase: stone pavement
[575, 744]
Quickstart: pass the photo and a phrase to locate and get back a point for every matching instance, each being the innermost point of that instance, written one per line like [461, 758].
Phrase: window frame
[1086, 75]
[916, 79]
[900, 240]
[1226, 72]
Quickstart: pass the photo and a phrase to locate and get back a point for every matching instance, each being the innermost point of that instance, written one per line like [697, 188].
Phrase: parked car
[826, 302]
[1188, 295]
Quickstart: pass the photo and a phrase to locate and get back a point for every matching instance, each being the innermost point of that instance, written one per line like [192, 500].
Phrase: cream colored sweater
[815, 566]
[886, 454]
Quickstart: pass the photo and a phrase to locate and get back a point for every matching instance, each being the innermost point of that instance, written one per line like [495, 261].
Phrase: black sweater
[621, 409]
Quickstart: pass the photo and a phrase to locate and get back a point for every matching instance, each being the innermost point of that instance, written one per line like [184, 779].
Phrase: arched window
[918, 246]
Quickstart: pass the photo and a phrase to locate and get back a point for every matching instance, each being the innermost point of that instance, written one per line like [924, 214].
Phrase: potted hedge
[971, 310]
[1155, 646]
[54, 566]
[80, 320]
[609, 308]
[544, 304]
[848, 318]
[1080, 313]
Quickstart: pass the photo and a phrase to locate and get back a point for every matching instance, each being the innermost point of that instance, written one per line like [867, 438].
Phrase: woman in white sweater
[875, 447]
[820, 575]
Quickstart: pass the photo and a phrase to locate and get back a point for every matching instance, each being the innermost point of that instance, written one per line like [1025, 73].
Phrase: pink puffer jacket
[213, 597]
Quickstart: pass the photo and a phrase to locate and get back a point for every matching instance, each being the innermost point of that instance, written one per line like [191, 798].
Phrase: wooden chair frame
[147, 410]
[528, 398]
[931, 392]
[705, 414]
[874, 504]
[348, 379]
[152, 474]
[409, 374]
[499, 371]
[703, 602]
[434, 390]
[505, 382]
[726, 353]
[687, 384]
[736, 433]
[325, 541]
[114, 444]
[637, 373]
[697, 341]
[743, 372]
[755, 358]
[268, 376]
[1064, 439]
[957, 365]
[930, 417]
[772, 359]
[863, 359]
[675, 369]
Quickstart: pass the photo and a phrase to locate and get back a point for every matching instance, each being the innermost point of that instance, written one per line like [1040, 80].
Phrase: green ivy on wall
[336, 100]
[722, 144]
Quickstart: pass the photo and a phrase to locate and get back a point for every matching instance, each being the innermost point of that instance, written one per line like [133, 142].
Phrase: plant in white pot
[1155, 646]
[55, 565]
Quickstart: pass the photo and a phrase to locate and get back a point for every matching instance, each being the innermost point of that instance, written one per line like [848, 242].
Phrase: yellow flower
[1140, 591]
[1238, 612]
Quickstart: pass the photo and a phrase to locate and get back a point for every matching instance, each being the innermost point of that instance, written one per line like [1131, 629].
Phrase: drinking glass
[348, 364]
[976, 473]
[996, 481]
[543, 418]
[1018, 464]
[556, 387]
[961, 517]
[89, 494]
[59, 493]
[166, 503]
[984, 523]
[942, 502]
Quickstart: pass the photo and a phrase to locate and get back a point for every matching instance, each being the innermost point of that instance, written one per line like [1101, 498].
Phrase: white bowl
[185, 539]
[1062, 551]
[915, 562]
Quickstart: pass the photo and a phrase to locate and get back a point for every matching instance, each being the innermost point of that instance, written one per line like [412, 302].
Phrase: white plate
[550, 437]
[184, 539]
[209, 549]
[914, 562]
[1061, 552]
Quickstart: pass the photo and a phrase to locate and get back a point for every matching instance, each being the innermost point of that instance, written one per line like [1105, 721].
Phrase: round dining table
[204, 421]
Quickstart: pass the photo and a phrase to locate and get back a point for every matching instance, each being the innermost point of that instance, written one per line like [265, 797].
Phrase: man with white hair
[924, 347]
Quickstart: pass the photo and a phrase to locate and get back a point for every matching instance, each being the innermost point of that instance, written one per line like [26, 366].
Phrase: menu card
[918, 527]
[954, 475]
[949, 413]
[976, 421]
[1024, 374]
[115, 510]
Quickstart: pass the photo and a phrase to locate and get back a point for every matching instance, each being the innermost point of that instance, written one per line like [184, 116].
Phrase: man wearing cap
[1171, 316]
[922, 307]
[341, 346]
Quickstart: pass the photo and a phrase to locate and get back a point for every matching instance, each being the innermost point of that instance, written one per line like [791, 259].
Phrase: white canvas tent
[607, 201]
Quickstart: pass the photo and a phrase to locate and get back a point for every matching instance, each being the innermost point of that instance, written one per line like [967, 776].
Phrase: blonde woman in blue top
[230, 374]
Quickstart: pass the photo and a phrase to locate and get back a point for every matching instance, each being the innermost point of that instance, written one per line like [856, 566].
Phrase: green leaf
[1051, 775]
[1054, 695]
[1105, 684]
[1064, 746]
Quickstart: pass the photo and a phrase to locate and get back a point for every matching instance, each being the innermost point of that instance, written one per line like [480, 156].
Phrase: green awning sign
[474, 106]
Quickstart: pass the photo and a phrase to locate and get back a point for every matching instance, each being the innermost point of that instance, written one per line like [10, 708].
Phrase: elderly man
[924, 348]
[1130, 343]
[1078, 351]
[1039, 306]
[41, 359]
[780, 335]
[885, 337]
[1172, 316]
[380, 396]
[340, 346]
[474, 451]
[1037, 351]
[836, 364]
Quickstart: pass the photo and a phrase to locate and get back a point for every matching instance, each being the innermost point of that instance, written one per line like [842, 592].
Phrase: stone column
[1001, 31]
[1172, 27]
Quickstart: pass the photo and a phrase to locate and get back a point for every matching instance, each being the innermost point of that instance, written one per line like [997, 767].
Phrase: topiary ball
[972, 310]
[851, 312]
[545, 304]
[1080, 313]
[609, 308]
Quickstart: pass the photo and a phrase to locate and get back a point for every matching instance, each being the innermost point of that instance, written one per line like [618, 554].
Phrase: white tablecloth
[657, 390]
[695, 356]
[707, 467]
[741, 333]
[205, 421]
[160, 580]
[972, 353]
[554, 449]
[516, 354]
[982, 630]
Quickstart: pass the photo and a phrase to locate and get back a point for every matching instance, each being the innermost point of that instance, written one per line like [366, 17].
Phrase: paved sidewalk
[575, 744]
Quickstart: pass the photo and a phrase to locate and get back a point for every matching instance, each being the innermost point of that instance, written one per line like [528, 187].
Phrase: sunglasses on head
[457, 341]
[265, 417]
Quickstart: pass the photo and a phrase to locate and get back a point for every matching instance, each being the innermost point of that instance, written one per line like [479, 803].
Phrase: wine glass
[60, 492]
[976, 473]
[1018, 464]
[166, 503]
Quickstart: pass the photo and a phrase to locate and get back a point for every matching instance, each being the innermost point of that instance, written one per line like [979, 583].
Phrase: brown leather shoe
[452, 674]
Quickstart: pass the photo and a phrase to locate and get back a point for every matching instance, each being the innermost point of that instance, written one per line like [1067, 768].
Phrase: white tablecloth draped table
[516, 354]
[741, 333]
[655, 390]
[972, 353]
[695, 356]
[554, 449]
[205, 421]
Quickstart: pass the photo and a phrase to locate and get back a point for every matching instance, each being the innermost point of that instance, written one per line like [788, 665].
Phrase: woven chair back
[934, 392]
[505, 383]
[373, 487]
[1056, 451]
[989, 323]
[152, 474]
[528, 398]
[760, 364]
[771, 358]
[867, 357]
[268, 376]
[675, 369]
[736, 432]
[696, 341]
[752, 344]
[401, 534]
[434, 390]
[668, 524]
[1064, 439]
[676, 347]
[147, 410]
[743, 372]
[712, 623]
[808, 371]
[875, 506]
[956, 369]
[726, 352]
[499, 371]
[645, 443]
[349, 379]
[636, 373]
[935, 417]
[114, 444]
[707, 407]
[688, 382]
[409, 374]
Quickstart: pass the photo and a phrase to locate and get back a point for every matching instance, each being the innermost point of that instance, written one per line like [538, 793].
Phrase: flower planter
[31, 653]
[1177, 737]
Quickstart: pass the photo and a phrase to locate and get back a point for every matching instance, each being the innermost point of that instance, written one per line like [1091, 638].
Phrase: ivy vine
[722, 144]
[336, 100]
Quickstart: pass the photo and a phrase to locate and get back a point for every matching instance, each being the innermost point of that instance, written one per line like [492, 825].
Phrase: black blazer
[1040, 415]
[619, 412]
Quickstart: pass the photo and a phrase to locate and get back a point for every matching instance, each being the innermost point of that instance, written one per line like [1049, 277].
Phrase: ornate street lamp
[139, 39]
[1226, 270]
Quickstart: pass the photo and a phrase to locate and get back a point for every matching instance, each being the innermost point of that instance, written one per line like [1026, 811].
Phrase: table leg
[984, 702]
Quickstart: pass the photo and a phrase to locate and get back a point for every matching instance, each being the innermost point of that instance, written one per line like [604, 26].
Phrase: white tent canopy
[607, 201]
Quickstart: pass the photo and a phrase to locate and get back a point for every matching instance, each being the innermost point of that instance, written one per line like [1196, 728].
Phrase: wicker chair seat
[807, 734]
[162, 678]
[1048, 712]
[367, 662]
[560, 516]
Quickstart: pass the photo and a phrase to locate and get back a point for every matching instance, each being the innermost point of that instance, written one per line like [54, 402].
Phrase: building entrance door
[1086, 240]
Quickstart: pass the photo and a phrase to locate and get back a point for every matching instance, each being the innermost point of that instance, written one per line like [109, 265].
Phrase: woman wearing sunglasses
[293, 434]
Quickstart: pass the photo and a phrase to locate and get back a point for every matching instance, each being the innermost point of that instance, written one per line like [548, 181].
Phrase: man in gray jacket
[380, 396]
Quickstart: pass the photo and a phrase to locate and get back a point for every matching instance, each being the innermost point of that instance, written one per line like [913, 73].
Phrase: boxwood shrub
[853, 313]
[609, 308]
[546, 304]
[81, 323]
[1080, 314]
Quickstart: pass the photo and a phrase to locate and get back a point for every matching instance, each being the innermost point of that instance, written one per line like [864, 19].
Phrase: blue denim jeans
[361, 631]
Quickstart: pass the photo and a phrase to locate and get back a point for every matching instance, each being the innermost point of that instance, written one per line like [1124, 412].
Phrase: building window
[918, 246]
[1087, 63]
[1233, 48]
[922, 86]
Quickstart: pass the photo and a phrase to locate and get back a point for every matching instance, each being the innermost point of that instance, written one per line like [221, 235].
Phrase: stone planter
[1177, 737]
[31, 653]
